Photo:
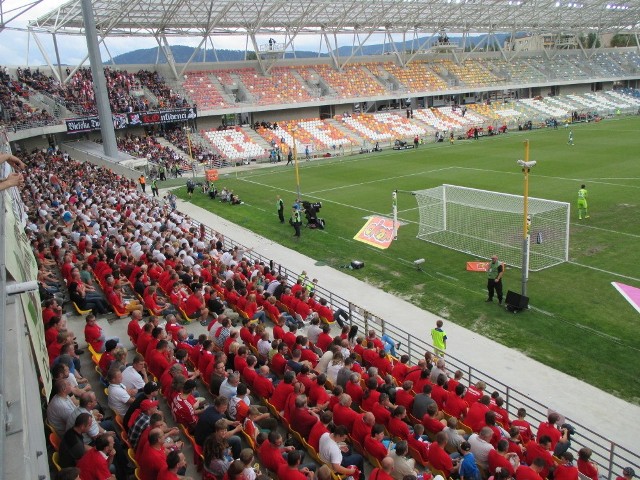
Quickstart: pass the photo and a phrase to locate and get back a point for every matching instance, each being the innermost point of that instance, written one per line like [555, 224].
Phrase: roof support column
[46, 57]
[254, 42]
[99, 82]
[168, 54]
[331, 51]
[399, 56]
[419, 49]
[357, 49]
[55, 48]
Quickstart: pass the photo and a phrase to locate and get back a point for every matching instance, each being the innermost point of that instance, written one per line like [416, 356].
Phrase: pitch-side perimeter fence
[610, 456]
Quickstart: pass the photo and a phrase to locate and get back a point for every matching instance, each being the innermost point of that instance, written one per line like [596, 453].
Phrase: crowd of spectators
[15, 110]
[339, 392]
[125, 90]
[161, 157]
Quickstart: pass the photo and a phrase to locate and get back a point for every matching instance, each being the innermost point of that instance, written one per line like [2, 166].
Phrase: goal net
[483, 223]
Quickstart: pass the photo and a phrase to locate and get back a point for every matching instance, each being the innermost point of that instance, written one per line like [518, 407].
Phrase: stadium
[147, 281]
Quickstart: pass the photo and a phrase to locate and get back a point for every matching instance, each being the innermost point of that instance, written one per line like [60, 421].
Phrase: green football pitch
[578, 322]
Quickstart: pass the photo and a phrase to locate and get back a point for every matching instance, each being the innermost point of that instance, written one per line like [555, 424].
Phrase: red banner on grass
[377, 232]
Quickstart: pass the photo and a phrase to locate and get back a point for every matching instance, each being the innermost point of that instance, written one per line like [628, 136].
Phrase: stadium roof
[296, 17]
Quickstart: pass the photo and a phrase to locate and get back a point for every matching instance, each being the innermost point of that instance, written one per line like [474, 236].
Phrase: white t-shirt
[329, 450]
[132, 379]
[118, 398]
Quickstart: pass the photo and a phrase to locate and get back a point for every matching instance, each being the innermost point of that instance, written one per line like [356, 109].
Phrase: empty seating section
[324, 133]
[415, 77]
[281, 87]
[353, 81]
[234, 144]
[382, 126]
[471, 73]
[446, 118]
[607, 65]
[497, 111]
[203, 91]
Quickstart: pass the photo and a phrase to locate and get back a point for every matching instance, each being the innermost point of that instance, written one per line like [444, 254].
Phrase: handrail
[607, 454]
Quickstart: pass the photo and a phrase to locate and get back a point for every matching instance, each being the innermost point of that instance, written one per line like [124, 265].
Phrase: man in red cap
[147, 408]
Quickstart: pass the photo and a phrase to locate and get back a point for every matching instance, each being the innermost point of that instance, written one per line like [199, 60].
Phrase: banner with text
[134, 119]
[377, 232]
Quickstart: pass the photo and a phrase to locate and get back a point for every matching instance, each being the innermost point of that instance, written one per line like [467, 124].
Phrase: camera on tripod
[311, 213]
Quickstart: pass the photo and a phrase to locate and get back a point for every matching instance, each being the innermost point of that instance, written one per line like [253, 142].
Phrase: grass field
[578, 322]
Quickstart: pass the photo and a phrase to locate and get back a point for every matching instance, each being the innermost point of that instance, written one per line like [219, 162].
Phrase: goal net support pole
[482, 223]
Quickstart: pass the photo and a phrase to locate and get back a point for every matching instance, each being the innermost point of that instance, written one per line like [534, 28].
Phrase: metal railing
[609, 456]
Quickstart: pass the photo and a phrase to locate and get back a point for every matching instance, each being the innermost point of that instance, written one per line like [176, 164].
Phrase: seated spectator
[334, 451]
[95, 463]
[72, 446]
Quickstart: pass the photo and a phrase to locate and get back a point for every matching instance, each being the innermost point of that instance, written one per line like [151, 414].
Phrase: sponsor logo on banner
[377, 232]
[124, 120]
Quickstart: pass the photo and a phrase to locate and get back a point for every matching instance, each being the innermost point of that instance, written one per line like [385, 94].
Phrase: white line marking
[603, 271]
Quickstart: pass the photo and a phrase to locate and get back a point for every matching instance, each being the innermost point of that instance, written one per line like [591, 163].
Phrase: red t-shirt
[192, 305]
[399, 371]
[496, 460]
[151, 462]
[527, 473]
[263, 387]
[344, 416]
[565, 472]
[280, 395]
[133, 330]
[535, 450]
[587, 468]
[278, 364]
[398, 428]
[551, 431]
[475, 417]
[317, 395]
[360, 430]
[525, 430]
[93, 466]
[316, 432]
[404, 398]
[375, 448]
[379, 474]
[271, 456]
[290, 473]
[166, 474]
[440, 459]
[92, 333]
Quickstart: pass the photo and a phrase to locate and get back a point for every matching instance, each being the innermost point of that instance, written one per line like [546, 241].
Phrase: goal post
[482, 223]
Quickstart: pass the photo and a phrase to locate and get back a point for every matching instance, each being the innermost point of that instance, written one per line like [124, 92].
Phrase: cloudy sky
[16, 48]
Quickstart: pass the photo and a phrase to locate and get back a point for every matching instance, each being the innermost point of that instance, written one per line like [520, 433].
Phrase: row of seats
[234, 144]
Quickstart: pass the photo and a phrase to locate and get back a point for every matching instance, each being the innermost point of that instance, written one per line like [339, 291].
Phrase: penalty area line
[602, 270]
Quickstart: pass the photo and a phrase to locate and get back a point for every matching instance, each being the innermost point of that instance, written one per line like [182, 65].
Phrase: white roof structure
[295, 17]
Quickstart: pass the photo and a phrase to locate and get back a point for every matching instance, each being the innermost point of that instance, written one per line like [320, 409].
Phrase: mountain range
[182, 53]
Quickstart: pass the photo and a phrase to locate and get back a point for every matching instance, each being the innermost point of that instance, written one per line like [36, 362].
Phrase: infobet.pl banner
[124, 120]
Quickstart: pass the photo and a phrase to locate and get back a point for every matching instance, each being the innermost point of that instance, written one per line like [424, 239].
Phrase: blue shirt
[468, 468]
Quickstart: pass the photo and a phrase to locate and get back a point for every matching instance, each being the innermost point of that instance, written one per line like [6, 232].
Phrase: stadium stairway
[349, 133]
[153, 100]
[166, 143]
[257, 138]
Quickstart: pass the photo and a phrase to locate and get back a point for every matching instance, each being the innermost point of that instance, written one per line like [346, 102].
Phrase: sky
[16, 48]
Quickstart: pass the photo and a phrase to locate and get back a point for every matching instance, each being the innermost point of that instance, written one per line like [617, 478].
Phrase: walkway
[583, 403]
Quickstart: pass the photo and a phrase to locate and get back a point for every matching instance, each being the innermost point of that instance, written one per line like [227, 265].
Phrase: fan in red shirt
[585, 465]
[404, 396]
[549, 428]
[134, 329]
[397, 426]
[343, 414]
[282, 391]
[175, 462]
[319, 428]
[501, 458]
[477, 410]
[523, 426]
[438, 457]
[324, 339]
[373, 443]
[383, 473]
[157, 360]
[270, 452]
[362, 427]
[540, 450]
[381, 411]
[533, 472]
[153, 458]
[94, 464]
[318, 396]
[566, 470]
[474, 393]
[455, 405]
[291, 469]
[195, 306]
[401, 368]
[93, 333]
[262, 385]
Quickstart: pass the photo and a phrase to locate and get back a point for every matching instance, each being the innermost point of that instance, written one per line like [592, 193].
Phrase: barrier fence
[608, 455]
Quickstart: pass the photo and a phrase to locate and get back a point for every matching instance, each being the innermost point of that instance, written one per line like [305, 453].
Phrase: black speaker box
[356, 264]
[516, 302]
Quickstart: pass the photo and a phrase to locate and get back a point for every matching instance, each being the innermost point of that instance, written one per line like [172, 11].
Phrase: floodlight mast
[526, 218]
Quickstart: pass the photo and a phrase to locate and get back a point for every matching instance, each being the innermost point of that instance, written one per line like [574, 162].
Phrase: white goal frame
[483, 223]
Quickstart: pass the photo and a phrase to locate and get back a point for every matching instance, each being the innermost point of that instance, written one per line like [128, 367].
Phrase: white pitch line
[379, 180]
[606, 230]
[602, 270]
[547, 176]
